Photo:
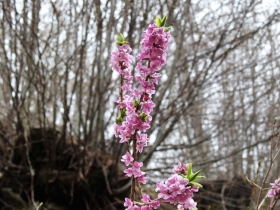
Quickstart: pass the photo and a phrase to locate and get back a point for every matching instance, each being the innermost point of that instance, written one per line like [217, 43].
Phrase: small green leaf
[158, 22]
[193, 176]
[119, 120]
[123, 112]
[121, 40]
[161, 23]
[136, 103]
[163, 20]
[189, 170]
[143, 117]
[167, 28]
[196, 184]
[199, 177]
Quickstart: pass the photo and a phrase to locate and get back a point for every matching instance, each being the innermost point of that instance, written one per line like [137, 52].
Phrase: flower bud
[119, 120]
[146, 97]
[143, 117]
[136, 103]
[123, 112]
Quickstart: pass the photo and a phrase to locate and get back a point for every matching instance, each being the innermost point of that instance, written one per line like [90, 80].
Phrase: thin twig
[252, 182]
[274, 202]
[272, 159]
[31, 170]
[40, 205]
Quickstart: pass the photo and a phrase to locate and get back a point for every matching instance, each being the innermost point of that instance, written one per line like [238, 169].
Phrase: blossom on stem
[128, 202]
[136, 172]
[127, 158]
[135, 105]
[147, 204]
[142, 141]
[142, 179]
[275, 190]
[121, 60]
[181, 168]
[176, 191]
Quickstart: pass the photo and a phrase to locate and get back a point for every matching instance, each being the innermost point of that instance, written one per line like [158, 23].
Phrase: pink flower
[128, 202]
[148, 106]
[275, 189]
[140, 147]
[126, 87]
[146, 85]
[190, 204]
[155, 204]
[142, 69]
[154, 77]
[136, 169]
[180, 207]
[125, 48]
[149, 204]
[129, 172]
[127, 158]
[175, 190]
[142, 179]
[142, 141]
[146, 198]
[137, 165]
[181, 169]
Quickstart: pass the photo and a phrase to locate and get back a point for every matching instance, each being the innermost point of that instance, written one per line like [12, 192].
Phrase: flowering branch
[135, 106]
[273, 192]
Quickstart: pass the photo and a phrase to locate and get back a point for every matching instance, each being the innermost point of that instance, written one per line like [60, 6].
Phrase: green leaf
[193, 176]
[121, 40]
[119, 120]
[196, 184]
[189, 170]
[136, 103]
[158, 22]
[123, 112]
[167, 28]
[143, 117]
[163, 20]
[161, 23]
[199, 177]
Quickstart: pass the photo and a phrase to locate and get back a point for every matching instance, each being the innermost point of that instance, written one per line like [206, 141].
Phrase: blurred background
[215, 103]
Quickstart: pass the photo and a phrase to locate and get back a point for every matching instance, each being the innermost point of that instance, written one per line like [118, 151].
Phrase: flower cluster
[154, 47]
[181, 169]
[275, 190]
[176, 190]
[121, 61]
[136, 172]
[135, 105]
[147, 204]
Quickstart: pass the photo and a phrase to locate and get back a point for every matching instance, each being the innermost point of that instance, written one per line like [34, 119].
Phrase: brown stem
[134, 151]
[269, 168]
[132, 192]
[146, 79]
[142, 204]
[139, 189]
[121, 91]
[134, 155]
[127, 146]
[274, 202]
